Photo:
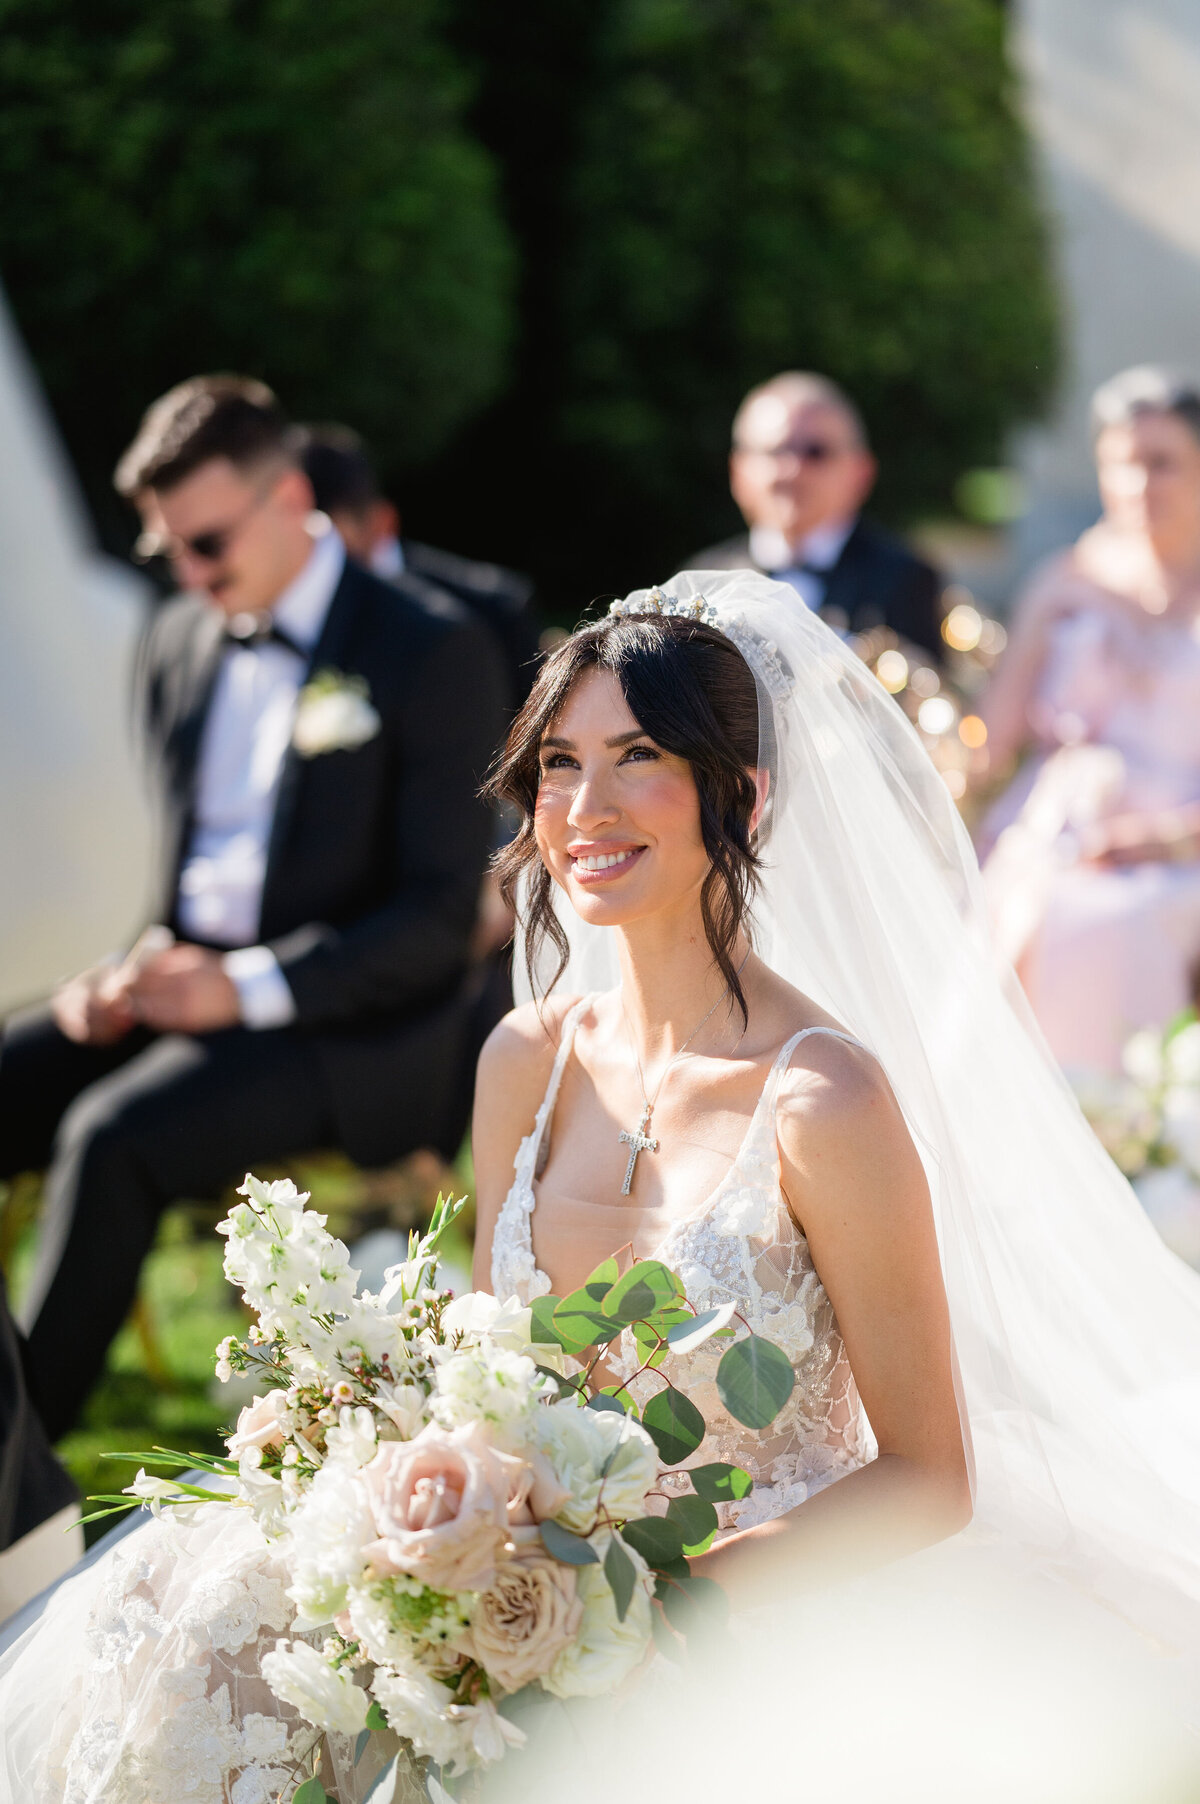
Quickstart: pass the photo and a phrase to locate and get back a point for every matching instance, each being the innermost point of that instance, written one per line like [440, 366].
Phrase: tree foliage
[252, 184]
[747, 186]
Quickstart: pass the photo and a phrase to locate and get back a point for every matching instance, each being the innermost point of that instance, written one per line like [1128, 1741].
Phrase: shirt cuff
[263, 994]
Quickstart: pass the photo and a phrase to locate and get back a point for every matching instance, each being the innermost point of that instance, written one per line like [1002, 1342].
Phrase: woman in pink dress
[1092, 854]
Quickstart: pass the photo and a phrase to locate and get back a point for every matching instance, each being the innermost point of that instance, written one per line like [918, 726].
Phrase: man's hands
[184, 990]
[181, 989]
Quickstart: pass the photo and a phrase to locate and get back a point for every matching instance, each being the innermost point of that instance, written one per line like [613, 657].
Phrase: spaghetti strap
[784, 1058]
[546, 1111]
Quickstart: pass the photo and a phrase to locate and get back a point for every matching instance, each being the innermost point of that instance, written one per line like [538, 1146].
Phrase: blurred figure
[316, 738]
[38, 1502]
[346, 488]
[801, 471]
[1094, 866]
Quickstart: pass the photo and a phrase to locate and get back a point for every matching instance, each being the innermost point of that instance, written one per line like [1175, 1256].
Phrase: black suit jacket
[502, 598]
[33, 1486]
[877, 581]
[376, 853]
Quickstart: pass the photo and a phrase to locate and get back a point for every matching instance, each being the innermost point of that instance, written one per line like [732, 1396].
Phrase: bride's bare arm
[514, 1069]
[855, 1183]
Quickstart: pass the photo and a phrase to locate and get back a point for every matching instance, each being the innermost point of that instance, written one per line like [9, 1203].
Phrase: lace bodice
[742, 1244]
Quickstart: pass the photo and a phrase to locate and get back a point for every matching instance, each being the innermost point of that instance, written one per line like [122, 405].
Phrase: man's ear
[762, 787]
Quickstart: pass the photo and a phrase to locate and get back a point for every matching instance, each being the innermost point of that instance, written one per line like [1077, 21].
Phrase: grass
[158, 1386]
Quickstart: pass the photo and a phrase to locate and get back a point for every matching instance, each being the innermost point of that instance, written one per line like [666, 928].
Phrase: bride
[768, 1044]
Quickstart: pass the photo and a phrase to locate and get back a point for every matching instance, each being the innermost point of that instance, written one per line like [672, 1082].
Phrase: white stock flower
[328, 1532]
[605, 1651]
[351, 1441]
[456, 1736]
[486, 1383]
[326, 1697]
[404, 1406]
[579, 1443]
[159, 1491]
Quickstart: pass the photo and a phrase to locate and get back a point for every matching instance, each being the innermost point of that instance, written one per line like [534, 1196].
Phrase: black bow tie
[255, 630]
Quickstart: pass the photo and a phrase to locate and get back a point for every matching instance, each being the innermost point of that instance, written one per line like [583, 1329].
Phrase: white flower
[263, 1423]
[404, 1405]
[351, 1442]
[1183, 1056]
[478, 1316]
[326, 1697]
[456, 1736]
[333, 713]
[157, 1491]
[1142, 1058]
[227, 1613]
[579, 1443]
[486, 1383]
[328, 1532]
[485, 1732]
[263, 1738]
[606, 1650]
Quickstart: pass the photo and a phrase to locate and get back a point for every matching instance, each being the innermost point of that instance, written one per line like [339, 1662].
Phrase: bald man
[801, 470]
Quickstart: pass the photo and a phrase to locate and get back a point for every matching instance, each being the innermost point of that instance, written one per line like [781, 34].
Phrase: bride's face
[617, 818]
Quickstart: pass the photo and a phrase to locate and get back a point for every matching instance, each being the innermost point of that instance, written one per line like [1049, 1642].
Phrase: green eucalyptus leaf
[657, 1540]
[621, 1574]
[674, 1423]
[375, 1717]
[700, 1603]
[600, 1282]
[360, 1745]
[696, 1521]
[571, 1549]
[649, 1330]
[647, 1285]
[755, 1380]
[383, 1788]
[665, 1639]
[544, 1330]
[602, 1401]
[720, 1483]
[311, 1792]
[685, 1337]
[580, 1323]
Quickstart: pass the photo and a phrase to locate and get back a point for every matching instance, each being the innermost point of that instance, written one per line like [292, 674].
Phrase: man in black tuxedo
[801, 470]
[316, 738]
[345, 486]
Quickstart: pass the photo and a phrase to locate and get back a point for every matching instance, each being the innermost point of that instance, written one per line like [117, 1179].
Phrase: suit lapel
[843, 584]
[183, 741]
[327, 654]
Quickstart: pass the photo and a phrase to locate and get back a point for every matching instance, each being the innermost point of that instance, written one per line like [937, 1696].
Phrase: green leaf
[609, 1399]
[665, 1639]
[696, 1521]
[650, 1329]
[755, 1380]
[543, 1328]
[375, 1717]
[360, 1745]
[685, 1337]
[657, 1540]
[311, 1792]
[621, 1574]
[720, 1483]
[699, 1603]
[570, 1548]
[580, 1323]
[567, 1387]
[600, 1282]
[675, 1424]
[646, 1286]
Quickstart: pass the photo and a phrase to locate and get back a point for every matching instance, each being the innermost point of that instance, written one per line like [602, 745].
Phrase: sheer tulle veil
[1077, 1333]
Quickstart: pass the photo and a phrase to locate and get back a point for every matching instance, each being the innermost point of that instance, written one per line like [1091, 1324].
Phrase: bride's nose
[593, 804]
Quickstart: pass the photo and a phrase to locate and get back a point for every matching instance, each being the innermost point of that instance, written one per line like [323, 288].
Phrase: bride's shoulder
[518, 1055]
[833, 1095]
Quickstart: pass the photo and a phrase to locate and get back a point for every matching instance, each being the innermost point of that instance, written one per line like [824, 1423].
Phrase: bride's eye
[556, 761]
[641, 752]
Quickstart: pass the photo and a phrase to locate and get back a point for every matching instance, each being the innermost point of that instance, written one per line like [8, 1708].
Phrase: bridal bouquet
[464, 1510]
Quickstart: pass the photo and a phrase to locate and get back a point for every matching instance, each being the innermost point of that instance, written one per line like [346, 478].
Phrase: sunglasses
[209, 546]
[805, 451]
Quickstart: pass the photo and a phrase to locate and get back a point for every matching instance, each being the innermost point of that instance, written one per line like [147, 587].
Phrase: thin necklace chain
[652, 1101]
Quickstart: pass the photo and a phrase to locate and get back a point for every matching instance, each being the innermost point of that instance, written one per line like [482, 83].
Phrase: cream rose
[440, 1505]
[259, 1425]
[596, 1452]
[605, 1650]
[524, 1620]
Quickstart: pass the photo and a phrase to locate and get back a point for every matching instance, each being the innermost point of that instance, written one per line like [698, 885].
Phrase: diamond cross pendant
[637, 1142]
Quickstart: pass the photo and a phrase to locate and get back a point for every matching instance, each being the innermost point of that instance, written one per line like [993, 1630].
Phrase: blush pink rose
[524, 1620]
[440, 1505]
[535, 1493]
[259, 1424]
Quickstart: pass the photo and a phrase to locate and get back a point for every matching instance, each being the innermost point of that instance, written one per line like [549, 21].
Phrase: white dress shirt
[246, 736]
[801, 565]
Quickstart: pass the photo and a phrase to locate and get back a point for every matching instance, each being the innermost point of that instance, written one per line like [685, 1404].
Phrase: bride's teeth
[603, 861]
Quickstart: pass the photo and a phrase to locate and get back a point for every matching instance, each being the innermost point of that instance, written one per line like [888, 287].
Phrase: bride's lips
[613, 862]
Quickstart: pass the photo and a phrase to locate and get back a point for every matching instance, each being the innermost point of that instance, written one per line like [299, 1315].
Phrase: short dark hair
[693, 693]
[1149, 388]
[338, 464]
[235, 417]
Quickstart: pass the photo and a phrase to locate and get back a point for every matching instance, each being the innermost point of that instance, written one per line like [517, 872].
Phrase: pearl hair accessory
[694, 608]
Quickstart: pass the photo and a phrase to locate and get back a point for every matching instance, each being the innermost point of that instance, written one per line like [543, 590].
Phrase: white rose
[326, 1697]
[605, 1651]
[578, 1443]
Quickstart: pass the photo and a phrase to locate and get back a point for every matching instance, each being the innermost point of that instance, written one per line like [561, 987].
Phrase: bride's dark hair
[693, 693]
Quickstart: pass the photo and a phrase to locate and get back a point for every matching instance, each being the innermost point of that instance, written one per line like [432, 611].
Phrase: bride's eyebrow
[618, 739]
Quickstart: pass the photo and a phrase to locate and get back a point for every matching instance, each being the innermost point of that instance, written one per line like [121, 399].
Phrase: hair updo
[693, 693]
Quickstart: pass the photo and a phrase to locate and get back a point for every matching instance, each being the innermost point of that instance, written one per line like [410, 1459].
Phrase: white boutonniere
[334, 714]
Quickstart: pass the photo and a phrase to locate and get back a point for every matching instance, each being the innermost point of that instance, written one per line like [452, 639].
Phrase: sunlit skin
[776, 486]
[1149, 477]
[848, 1168]
[264, 511]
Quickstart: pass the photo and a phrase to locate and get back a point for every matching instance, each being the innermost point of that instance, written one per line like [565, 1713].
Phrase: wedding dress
[1076, 1333]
